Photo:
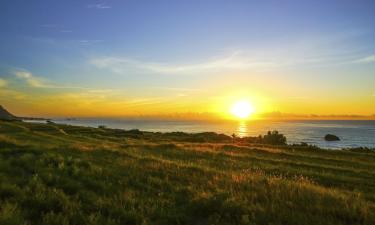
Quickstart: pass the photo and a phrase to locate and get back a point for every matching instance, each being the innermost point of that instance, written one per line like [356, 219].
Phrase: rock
[331, 137]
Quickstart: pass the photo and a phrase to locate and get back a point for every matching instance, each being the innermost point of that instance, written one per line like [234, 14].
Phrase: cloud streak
[3, 83]
[368, 59]
[31, 80]
[99, 6]
[89, 42]
[56, 27]
[37, 82]
[233, 62]
[265, 60]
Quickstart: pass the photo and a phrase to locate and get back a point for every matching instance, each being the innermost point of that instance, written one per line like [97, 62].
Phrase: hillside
[5, 115]
[59, 174]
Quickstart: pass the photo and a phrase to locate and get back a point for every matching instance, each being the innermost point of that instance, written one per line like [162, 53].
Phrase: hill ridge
[5, 115]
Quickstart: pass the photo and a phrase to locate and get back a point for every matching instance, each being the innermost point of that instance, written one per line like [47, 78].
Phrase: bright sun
[242, 109]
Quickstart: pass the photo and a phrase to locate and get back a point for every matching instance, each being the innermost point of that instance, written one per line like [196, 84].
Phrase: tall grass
[104, 176]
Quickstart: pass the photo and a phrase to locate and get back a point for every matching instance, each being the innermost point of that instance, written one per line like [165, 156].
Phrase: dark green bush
[274, 138]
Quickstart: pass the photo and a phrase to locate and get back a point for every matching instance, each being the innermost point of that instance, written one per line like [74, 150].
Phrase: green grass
[59, 174]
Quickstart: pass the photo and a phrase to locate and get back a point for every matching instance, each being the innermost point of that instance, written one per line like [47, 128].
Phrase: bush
[273, 138]
[10, 214]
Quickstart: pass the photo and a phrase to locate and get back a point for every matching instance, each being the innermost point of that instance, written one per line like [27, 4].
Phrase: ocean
[353, 133]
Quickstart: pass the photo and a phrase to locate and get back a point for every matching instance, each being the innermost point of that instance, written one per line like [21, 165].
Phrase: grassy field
[59, 174]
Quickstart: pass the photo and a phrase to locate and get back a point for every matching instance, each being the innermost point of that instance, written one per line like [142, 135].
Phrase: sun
[242, 109]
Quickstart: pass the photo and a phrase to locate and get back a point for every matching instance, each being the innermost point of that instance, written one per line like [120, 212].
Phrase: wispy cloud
[56, 27]
[37, 82]
[12, 94]
[31, 80]
[89, 42]
[99, 6]
[3, 83]
[143, 101]
[50, 25]
[232, 62]
[367, 59]
[42, 40]
[255, 60]
[46, 95]
[63, 43]
[298, 98]
[178, 89]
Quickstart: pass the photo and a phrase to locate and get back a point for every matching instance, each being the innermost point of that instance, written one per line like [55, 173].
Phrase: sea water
[353, 133]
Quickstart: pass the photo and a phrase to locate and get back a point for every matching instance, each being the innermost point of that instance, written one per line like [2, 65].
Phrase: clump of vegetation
[106, 176]
[273, 138]
[361, 149]
[304, 145]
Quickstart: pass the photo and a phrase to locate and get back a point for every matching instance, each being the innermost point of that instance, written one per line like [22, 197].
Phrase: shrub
[273, 138]
[10, 214]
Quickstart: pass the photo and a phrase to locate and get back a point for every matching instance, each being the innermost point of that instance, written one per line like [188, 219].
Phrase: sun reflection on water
[242, 129]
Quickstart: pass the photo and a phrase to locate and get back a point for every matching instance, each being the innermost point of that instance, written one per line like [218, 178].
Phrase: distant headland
[6, 115]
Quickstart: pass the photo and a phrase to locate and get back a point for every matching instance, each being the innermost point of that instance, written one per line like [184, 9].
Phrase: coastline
[168, 127]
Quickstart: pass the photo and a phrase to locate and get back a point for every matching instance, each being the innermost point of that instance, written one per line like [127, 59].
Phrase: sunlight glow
[242, 109]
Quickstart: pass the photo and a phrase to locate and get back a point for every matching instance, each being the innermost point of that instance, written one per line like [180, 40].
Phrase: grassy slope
[56, 174]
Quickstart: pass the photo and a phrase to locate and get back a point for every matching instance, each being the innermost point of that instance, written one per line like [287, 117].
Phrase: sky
[191, 58]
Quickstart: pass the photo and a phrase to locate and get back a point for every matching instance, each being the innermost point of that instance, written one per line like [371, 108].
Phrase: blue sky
[189, 52]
